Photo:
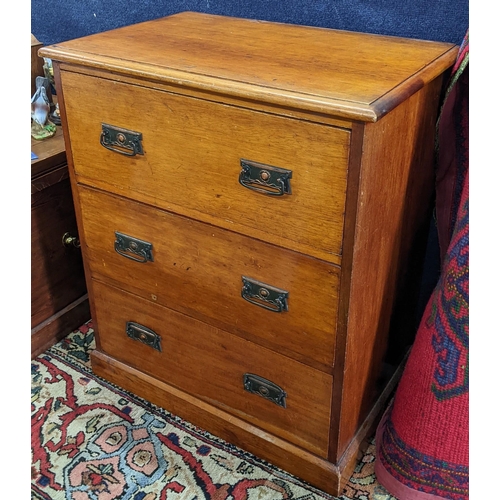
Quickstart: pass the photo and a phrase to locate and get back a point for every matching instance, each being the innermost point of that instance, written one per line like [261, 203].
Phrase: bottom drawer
[283, 396]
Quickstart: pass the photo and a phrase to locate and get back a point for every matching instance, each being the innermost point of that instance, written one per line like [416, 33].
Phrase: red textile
[423, 439]
[452, 148]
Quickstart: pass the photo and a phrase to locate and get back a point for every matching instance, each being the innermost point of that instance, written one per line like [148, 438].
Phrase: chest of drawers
[252, 201]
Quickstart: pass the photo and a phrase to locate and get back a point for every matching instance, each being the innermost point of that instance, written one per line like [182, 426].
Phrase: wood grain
[191, 162]
[197, 270]
[353, 116]
[59, 325]
[76, 199]
[56, 271]
[59, 302]
[312, 68]
[395, 187]
[213, 95]
[210, 364]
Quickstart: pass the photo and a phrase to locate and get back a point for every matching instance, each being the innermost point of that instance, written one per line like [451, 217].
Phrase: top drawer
[191, 161]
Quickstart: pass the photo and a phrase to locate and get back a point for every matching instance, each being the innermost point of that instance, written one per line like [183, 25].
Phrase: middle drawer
[272, 296]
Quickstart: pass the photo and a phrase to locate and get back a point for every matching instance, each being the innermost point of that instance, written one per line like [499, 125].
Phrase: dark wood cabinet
[59, 301]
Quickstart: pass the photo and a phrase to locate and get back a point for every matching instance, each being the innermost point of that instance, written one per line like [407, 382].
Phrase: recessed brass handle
[121, 140]
[264, 388]
[265, 179]
[133, 248]
[143, 334]
[69, 240]
[264, 295]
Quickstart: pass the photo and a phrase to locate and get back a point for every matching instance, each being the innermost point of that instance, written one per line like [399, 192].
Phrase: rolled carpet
[423, 439]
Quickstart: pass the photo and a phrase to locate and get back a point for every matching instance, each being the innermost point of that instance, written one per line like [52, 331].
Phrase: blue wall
[55, 21]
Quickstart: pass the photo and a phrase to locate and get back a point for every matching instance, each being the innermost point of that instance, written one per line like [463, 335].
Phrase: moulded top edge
[320, 69]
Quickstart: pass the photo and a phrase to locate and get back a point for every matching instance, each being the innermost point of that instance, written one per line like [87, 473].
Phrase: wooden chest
[253, 201]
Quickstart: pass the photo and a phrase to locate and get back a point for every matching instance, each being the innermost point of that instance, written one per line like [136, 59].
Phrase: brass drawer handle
[265, 179]
[264, 388]
[143, 334]
[121, 140]
[133, 248]
[263, 295]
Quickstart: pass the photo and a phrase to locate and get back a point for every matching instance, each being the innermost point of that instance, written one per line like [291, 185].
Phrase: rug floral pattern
[93, 441]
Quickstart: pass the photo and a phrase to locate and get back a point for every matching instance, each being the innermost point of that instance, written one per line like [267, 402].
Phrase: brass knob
[69, 240]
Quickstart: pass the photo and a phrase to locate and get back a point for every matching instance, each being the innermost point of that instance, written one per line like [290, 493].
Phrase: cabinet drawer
[192, 161]
[205, 271]
[57, 276]
[214, 366]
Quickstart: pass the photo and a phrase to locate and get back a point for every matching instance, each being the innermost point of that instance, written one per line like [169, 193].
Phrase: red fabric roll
[423, 438]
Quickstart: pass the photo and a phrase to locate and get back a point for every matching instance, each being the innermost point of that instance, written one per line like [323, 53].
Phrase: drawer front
[275, 297]
[287, 398]
[189, 160]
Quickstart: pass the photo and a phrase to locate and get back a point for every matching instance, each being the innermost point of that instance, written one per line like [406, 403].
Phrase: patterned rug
[91, 440]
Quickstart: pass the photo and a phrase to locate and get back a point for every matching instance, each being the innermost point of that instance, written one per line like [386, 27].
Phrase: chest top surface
[355, 75]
